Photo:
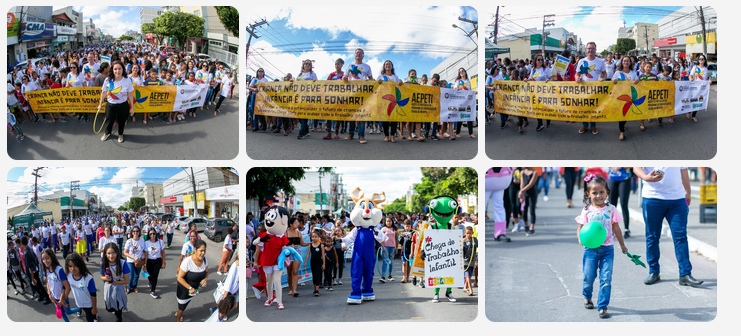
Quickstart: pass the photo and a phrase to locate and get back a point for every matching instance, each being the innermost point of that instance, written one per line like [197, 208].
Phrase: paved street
[394, 302]
[684, 140]
[202, 138]
[539, 278]
[142, 307]
[275, 146]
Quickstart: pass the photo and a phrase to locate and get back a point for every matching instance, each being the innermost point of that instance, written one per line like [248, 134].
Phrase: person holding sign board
[117, 91]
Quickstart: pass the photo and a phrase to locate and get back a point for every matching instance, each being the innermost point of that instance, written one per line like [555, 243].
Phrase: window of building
[215, 43]
[198, 12]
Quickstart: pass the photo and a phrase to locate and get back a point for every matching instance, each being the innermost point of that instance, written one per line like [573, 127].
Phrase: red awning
[62, 17]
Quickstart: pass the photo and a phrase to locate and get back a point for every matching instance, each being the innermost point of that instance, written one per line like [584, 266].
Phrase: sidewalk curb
[695, 245]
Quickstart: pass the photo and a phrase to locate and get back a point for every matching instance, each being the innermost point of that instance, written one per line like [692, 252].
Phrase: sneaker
[515, 229]
[348, 137]
[257, 292]
[316, 292]
[436, 299]
[336, 137]
[104, 137]
[450, 297]
[327, 137]
[16, 291]
[268, 302]
[594, 130]
[334, 282]
[339, 281]
[120, 138]
[79, 314]
[391, 278]
[219, 273]
[331, 289]
[154, 295]
[362, 140]
[149, 284]
[326, 288]
[545, 198]
[301, 137]
[414, 281]
[626, 234]
[540, 127]
[435, 137]
[582, 129]
[530, 233]
[382, 280]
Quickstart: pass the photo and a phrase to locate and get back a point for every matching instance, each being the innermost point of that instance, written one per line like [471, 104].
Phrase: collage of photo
[358, 129]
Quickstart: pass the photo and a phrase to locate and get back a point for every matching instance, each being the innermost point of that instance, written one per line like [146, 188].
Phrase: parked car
[165, 217]
[204, 57]
[217, 228]
[200, 224]
[178, 220]
[713, 69]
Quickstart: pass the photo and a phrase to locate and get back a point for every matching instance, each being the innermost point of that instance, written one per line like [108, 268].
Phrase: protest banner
[443, 258]
[147, 99]
[587, 101]
[353, 101]
[561, 65]
[457, 105]
[105, 59]
[691, 96]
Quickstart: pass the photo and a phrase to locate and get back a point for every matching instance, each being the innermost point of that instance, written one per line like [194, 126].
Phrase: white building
[466, 57]
[178, 190]
[680, 33]
[147, 15]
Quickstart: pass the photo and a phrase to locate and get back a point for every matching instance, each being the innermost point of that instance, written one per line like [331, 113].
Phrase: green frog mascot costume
[442, 208]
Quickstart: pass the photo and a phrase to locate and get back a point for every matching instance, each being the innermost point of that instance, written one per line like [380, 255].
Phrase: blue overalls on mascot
[442, 208]
[365, 216]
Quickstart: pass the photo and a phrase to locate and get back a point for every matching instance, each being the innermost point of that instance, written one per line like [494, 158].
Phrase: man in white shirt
[666, 195]
[590, 69]
[358, 71]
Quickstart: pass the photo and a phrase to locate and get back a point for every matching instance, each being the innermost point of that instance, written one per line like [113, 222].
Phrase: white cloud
[393, 181]
[414, 31]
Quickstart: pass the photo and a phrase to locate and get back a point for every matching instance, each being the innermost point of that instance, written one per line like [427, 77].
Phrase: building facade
[216, 41]
[30, 32]
[680, 33]
[178, 190]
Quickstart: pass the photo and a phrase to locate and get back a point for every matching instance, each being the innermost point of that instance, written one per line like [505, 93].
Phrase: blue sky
[598, 24]
[411, 37]
[112, 184]
[114, 20]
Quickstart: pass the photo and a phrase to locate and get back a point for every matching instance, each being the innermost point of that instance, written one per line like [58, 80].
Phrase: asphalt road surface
[539, 278]
[394, 302]
[683, 140]
[275, 146]
[142, 307]
[204, 137]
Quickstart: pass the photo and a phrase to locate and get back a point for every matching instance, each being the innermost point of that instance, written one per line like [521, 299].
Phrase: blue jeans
[589, 124]
[208, 95]
[169, 239]
[133, 276]
[544, 182]
[675, 212]
[304, 127]
[599, 258]
[360, 126]
[388, 261]
[89, 241]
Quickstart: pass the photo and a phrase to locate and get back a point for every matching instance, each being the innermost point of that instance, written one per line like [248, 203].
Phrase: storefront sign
[38, 30]
[665, 42]
[62, 38]
[167, 200]
[66, 30]
[34, 45]
[223, 193]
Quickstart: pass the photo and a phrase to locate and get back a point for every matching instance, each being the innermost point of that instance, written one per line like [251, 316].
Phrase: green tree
[624, 45]
[444, 181]
[125, 38]
[149, 28]
[121, 208]
[135, 203]
[179, 25]
[605, 52]
[265, 182]
[397, 205]
[229, 17]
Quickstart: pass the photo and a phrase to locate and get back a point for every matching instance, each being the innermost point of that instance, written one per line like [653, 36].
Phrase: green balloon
[593, 234]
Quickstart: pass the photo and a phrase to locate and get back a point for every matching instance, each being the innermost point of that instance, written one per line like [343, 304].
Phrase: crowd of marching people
[357, 70]
[116, 69]
[614, 67]
[55, 260]
[326, 257]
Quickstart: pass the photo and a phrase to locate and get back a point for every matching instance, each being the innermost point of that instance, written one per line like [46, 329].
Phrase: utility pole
[73, 185]
[547, 22]
[321, 194]
[496, 25]
[36, 185]
[704, 36]
[251, 31]
[645, 35]
[474, 23]
[195, 193]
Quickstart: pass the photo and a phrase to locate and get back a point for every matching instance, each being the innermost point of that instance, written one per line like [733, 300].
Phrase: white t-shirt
[81, 289]
[610, 68]
[463, 84]
[117, 91]
[189, 266]
[358, 71]
[203, 77]
[136, 81]
[227, 243]
[55, 281]
[590, 70]
[389, 78]
[90, 72]
[669, 188]
[621, 76]
[254, 81]
[187, 250]
[700, 73]
[135, 248]
[12, 100]
[154, 250]
[45, 232]
[227, 85]
[214, 317]
[306, 76]
[218, 76]
[65, 237]
[75, 81]
[170, 227]
[104, 241]
[88, 228]
[540, 74]
[118, 231]
[30, 87]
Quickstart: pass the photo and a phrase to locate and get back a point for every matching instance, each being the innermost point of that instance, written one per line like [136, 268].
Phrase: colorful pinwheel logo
[140, 100]
[88, 71]
[463, 85]
[632, 101]
[584, 70]
[354, 71]
[71, 79]
[699, 72]
[301, 77]
[621, 77]
[536, 75]
[384, 78]
[394, 101]
[112, 92]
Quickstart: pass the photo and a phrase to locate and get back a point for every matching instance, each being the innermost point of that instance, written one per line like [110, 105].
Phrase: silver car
[198, 221]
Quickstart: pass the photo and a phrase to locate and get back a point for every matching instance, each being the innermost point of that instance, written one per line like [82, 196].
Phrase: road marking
[405, 291]
[411, 303]
[417, 318]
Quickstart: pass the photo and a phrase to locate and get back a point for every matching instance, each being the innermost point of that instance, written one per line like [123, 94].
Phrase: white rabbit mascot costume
[497, 180]
[365, 216]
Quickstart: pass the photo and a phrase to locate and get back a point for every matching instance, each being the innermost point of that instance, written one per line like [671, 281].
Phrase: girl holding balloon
[599, 222]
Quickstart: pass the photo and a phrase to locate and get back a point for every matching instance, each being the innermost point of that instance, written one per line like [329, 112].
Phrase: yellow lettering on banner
[587, 101]
[353, 100]
[85, 100]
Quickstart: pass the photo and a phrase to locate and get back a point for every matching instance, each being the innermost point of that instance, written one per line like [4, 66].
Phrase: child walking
[470, 258]
[596, 208]
[83, 288]
[331, 262]
[56, 283]
[115, 273]
[316, 254]
[405, 239]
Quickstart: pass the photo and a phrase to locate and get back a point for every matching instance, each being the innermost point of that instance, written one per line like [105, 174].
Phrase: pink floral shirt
[606, 215]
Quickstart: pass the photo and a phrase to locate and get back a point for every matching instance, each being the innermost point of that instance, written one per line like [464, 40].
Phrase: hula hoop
[349, 248]
[381, 252]
[101, 125]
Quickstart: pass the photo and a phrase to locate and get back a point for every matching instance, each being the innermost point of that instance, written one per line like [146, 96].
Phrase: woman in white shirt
[155, 257]
[108, 238]
[625, 72]
[226, 85]
[117, 90]
[133, 251]
[388, 75]
[699, 72]
[540, 73]
[26, 87]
